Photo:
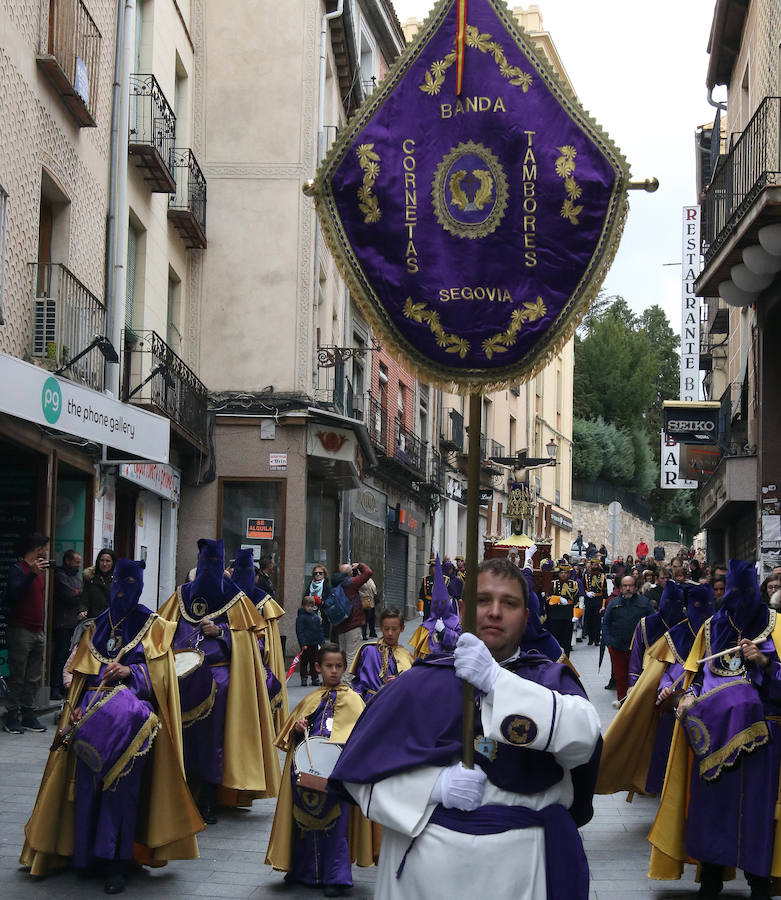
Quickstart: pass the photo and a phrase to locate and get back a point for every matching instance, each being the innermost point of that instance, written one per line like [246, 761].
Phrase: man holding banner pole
[473, 208]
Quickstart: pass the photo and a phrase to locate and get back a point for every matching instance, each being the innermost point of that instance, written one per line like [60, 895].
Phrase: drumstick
[717, 655]
[308, 750]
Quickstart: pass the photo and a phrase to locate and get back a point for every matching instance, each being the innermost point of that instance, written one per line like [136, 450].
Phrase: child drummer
[316, 835]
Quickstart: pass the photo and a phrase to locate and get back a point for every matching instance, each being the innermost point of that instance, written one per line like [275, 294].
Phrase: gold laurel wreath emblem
[435, 77]
[420, 313]
[492, 178]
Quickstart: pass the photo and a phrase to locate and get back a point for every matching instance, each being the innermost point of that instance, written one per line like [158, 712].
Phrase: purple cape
[393, 735]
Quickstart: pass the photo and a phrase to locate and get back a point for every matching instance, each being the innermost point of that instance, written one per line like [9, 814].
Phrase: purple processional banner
[472, 230]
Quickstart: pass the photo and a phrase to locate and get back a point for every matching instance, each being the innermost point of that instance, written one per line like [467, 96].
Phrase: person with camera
[26, 643]
[351, 577]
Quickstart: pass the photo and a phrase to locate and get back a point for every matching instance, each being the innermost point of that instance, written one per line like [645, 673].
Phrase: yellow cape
[363, 836]
[270, 611]
[403, 657]
[168, 821]
[419, 642]
[250, 762]
[629, 740]
[668, 832]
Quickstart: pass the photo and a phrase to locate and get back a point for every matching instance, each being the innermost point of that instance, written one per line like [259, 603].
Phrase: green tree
[586, 451]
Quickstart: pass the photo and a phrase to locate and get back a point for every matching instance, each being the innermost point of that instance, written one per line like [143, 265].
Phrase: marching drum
[197, 687]
[314, 761]
[114, 730]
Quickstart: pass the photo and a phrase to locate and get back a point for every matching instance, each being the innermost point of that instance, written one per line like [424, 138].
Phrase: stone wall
[593, 519]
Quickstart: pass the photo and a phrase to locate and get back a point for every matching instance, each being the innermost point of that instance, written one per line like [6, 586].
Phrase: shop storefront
[54, 477]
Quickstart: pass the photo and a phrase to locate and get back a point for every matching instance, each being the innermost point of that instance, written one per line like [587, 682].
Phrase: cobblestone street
[232, 852]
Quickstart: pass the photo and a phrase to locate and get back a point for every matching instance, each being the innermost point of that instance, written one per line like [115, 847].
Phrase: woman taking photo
[97, 583]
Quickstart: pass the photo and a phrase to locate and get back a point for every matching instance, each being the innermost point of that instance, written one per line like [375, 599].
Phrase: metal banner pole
[469, 602]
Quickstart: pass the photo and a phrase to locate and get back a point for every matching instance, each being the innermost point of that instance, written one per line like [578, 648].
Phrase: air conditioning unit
[45, 332]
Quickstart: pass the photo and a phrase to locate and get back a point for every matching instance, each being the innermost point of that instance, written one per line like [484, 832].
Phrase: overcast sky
[639, 69]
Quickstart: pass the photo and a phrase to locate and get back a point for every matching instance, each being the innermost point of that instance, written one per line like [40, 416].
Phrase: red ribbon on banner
[460, 45]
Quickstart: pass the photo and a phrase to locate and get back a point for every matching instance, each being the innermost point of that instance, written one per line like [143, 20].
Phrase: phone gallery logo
[51, 400]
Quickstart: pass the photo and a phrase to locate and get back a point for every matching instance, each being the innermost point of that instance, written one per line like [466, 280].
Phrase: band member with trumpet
[378, 662]
[120, 725]
[228, 746]
[316, 835]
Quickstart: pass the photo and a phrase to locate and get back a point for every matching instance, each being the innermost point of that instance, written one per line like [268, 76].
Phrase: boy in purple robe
[517, 813]
[309, 837]
[730, 718]
[378, 662]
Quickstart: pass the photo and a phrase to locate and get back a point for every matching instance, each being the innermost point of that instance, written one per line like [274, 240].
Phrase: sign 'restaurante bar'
[473, 230]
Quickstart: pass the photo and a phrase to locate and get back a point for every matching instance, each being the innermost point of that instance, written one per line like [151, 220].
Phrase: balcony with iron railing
[451, 430]
[66, 317]
[741, 196]
[436, 471]
[408, 448]
[69, 54]
[377, 424]
[157, 378]
[152, 133]
[187, 206]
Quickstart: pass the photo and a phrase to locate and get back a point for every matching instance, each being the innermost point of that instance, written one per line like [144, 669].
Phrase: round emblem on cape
[519, 730]
[698, 735]
[88, 755]
[199, 608]
[469, 191]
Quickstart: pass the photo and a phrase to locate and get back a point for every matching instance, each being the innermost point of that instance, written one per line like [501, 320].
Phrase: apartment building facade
[741, 247]
[101, 412]
[287, 357]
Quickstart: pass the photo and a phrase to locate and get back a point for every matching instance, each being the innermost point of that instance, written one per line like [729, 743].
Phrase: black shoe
[207, 813]
[610, 686]
[760, 886]
[333, 890]
[115, 883]
[303, 682]
[316, 682]
[578, 640]
[30, 723]
[13, 724]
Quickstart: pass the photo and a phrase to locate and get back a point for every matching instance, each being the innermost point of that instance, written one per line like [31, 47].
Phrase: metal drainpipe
[320, 139]
[117, 308]
[111, 221]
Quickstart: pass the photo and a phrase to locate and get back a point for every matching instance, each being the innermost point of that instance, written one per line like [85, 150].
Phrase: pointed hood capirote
[672, 606]
[211, 589]
[244, 571]
[742, 614]
[116, 626]
[445, 639]
[699, 605]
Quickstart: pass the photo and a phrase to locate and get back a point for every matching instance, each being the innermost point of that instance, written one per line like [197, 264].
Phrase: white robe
[448, 864]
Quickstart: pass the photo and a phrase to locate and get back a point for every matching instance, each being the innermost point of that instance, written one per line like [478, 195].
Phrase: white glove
[590, 593]
[439, 626]
[474, 663]
[527, 559]
[459, 788]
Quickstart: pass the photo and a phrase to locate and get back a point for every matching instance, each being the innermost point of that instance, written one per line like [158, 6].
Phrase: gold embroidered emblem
[452, 343]
[88, 755]
[469, 191]
[519, 730]
[698, 734]
[369, 161]
[565, 167]
[199, 607]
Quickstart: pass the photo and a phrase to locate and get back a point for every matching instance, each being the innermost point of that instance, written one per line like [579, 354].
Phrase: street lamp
[553, 448]
[102, 343]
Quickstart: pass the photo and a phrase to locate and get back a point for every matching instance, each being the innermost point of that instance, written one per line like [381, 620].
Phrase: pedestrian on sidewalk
[24, 603]
[69, 610]
[351, 577]
[618, 625]
[309, 631]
